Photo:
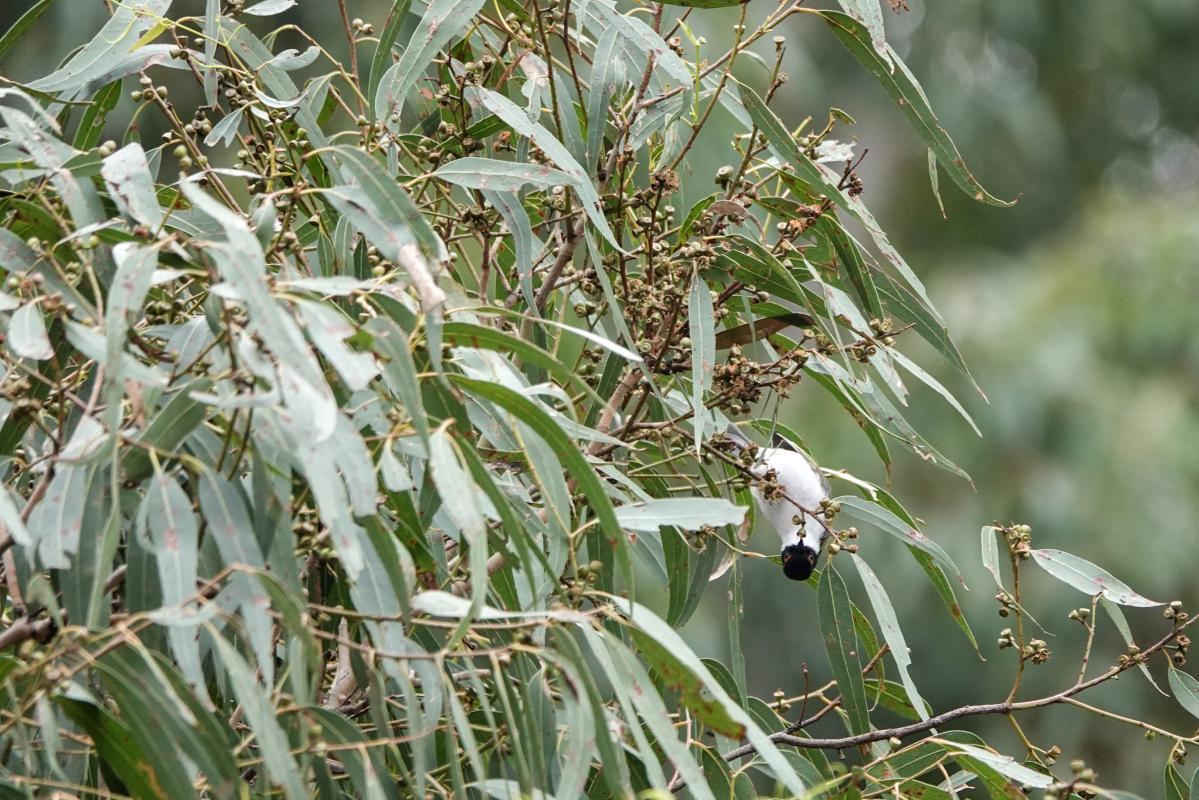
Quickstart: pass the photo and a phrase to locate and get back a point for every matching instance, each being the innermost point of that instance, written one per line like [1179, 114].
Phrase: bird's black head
[798, 561]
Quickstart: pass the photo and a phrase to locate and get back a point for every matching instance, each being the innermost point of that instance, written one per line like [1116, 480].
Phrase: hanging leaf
[887, 522]
[1088, 578]
[500, 176]
[884, 612]
[27, 336]
[702, 326]
[1121, 623]
[1185, 689]
[516, 119]
[902, 87]
[442, 21]
[689, 513]
[841, 645]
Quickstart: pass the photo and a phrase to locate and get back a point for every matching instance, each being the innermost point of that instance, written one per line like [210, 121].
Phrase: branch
[1006, 707]
[25, 629]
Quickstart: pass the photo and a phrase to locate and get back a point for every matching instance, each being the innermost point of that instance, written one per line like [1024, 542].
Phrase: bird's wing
[778, 441]
[739, 438]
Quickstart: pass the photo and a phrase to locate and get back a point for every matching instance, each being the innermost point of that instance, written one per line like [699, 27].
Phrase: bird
[793, 514]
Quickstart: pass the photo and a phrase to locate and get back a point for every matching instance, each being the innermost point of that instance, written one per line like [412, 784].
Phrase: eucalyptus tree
[364, 435]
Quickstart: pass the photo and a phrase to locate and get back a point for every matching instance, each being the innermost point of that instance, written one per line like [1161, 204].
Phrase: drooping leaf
[688, 513]
[902, 87]
[1005, 765]
[1121, 623]
[500, 176]
[841, 645]
[261, 716]
[665, 638]
[442, 21]
[889, 523]
[27, 336]
[166, 514]
[1088, 578]
[1174, 785]
[510, 113]
[702, 326]
[1185, 689]
[884, 612]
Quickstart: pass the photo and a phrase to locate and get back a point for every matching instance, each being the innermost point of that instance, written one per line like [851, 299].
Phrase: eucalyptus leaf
[1088, 578]
[689, 513]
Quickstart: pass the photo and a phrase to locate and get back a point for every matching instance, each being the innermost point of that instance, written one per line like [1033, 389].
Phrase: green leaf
[690, 689]
[500, 176]
[902, 87]
[27, 337]
[816, 178]
[870, 14]
[855, 266]
[524, 243]
[168, 721]
[382, 60]
[10, 518]
[1185, 689]
[463, 502]
[990, 553]
[636, 34]
[399, 370]
[365, 764]
[124, 765]
[841, 644]
[702, 327]
[468, 334]
[228, 523]
[574, 462]
[516, 118]
[892, 633]
[131, 185]
[607, 75]
[23, 24]
[1005, 765]
[167, 512]
[56, 522]
[328, 328]
[1088, 578]
[641, 618]
[888, 522]
[932, 383]
[386, 215]
[1175, 786]
[893, 697]
[688, 513]
[442, 21]
[704, 3]
[1121, 623]
[116, 50]
[170, 427]
[260, 714]
[91, 127]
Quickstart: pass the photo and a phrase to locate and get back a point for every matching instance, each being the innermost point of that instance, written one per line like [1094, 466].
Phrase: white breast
[804, 484]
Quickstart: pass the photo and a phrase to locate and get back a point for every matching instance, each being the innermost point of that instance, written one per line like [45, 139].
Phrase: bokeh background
[1076, 310]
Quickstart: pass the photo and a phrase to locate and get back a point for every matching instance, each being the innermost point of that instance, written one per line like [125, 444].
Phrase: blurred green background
[1075, 309]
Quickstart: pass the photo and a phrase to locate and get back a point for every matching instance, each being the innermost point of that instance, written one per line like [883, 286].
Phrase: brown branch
[25, 629]
[1006, 707]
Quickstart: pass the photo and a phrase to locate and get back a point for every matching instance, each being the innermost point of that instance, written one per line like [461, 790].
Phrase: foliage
[379, 452]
